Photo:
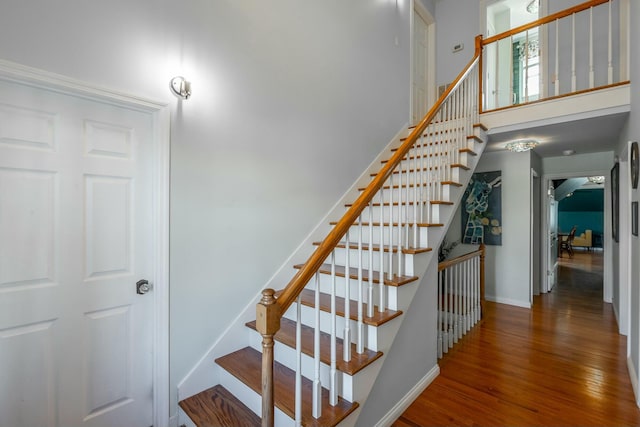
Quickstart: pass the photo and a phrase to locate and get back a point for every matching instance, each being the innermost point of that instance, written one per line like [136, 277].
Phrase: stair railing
[400, 197]
[578, 53]
[460, 297]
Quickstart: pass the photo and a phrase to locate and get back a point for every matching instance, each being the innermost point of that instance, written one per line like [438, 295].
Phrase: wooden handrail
[545, 20]
[457, 260]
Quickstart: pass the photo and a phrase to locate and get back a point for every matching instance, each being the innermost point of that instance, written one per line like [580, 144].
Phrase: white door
[75, 237]
[420, 70]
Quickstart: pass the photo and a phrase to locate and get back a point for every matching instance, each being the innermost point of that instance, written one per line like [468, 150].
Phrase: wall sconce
[180, 87]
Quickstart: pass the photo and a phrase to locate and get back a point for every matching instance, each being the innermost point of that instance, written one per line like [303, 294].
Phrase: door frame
[17, 73]
[607, 276]
[417, 8]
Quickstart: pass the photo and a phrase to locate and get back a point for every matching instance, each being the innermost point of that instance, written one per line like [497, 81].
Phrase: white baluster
[557, 82]
[451, 312]
[439, 322]
[317, 385]
[298, 393]
[454, 296]
[591, 67]
[360, 340]
[333, 374]
[511, 92]
[610, 50]
[526, 66]
[381, 294]
[401, 204]
[573, 52]
[370, 303]
[346, 348]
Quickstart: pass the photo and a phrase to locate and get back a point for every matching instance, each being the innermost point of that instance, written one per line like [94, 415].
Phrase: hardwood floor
[561, 363]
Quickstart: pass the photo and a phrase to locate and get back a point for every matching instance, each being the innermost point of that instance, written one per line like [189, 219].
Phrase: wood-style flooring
[562, 363]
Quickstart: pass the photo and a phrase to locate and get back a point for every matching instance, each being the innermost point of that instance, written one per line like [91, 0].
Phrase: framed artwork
[481, 212]
[615, 201]
[633, 164]
[634, 218]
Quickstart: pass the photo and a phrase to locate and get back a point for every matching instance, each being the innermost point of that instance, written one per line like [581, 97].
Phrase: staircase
[369, 275]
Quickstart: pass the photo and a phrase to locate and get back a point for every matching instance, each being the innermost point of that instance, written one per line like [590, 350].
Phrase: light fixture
[521, 145]
[533, 7]
[568, 152]
[596, 179]
[180, 87]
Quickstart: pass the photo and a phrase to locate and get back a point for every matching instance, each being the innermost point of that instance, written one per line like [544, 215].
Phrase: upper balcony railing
[573, 51]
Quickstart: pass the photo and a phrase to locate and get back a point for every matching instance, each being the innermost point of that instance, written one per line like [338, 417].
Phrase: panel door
[75, 236]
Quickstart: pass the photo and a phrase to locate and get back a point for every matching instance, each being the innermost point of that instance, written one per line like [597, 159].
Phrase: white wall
[291, 100]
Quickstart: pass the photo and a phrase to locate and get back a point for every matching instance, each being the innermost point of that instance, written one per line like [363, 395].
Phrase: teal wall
[584, 209]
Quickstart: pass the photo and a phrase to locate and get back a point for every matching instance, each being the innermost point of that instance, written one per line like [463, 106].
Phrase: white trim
[21, 74]
[634, 379]
[402, 405]
[508, 301]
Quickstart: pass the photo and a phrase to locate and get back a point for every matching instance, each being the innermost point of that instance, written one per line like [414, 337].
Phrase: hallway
[560, 364]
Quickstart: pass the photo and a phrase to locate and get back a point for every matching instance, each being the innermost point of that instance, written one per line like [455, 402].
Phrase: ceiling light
[533, 7]
[568, 152]
[596, 179]
[521, 145]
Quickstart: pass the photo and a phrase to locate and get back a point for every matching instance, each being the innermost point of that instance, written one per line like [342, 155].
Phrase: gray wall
[291, 100]
[632, 133]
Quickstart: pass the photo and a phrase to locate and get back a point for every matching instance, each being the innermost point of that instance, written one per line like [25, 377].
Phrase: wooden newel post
[268, 323]
[482, 252]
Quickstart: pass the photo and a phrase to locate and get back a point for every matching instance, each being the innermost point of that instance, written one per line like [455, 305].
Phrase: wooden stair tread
[376, 248]
[307, 297]
[396, 171]
[246, 365]
[287, 336]
[217, 407]
[411, 185]
[411, 203]
[395, 224]
[353, 274]
[461, 150]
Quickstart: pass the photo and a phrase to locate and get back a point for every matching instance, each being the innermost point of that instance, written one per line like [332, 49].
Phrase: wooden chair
[566, 244]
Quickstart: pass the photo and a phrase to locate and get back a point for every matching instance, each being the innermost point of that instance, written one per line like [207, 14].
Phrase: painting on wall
[615, 201]
[482, 209]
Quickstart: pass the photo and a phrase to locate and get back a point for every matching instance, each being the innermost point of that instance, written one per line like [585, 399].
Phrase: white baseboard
[508, 301]
[634, 379]
[402, 405]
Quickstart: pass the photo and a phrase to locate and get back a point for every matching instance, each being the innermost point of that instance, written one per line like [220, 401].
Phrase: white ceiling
[590, 135]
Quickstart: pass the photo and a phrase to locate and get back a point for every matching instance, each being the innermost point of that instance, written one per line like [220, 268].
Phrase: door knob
[143, 286]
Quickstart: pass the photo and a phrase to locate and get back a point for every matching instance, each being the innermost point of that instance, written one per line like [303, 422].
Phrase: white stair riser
[251, 399]
[286, 355]
[417, 239]
[354, 260]
[421, 217]
[390, 291]
[376, 338]
[421, 193]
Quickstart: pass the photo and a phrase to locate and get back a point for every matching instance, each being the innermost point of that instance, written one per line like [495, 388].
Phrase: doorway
[514, 66]
[423, 62]
[582, 201]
